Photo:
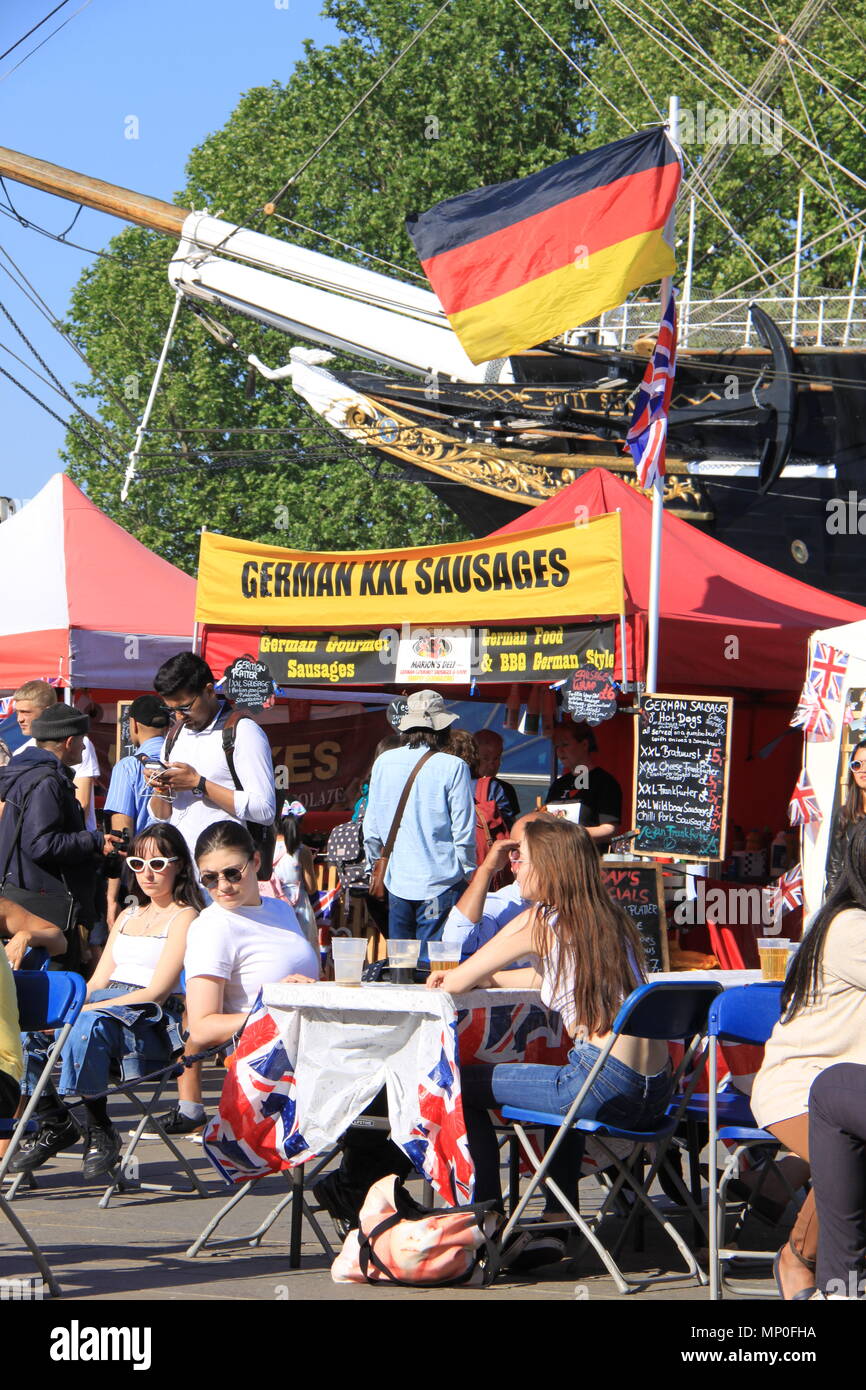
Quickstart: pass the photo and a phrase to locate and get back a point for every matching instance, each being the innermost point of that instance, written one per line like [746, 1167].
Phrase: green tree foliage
[482, 96]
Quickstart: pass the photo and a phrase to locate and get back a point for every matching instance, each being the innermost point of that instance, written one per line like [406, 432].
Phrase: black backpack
[264, 837]
[345, 849]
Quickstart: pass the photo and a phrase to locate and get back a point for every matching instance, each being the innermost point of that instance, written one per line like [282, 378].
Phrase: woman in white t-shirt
[240, 942]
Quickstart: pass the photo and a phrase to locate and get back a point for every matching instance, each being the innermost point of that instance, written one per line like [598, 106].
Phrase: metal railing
[829, 320]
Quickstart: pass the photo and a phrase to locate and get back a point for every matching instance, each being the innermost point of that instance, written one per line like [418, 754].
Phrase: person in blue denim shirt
[434, 853]
[589, 958]
[131, 1017]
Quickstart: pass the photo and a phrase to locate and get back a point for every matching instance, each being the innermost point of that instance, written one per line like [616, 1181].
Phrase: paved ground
[135, 1249]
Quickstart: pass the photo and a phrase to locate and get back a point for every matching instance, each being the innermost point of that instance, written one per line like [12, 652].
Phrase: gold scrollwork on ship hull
[502, 472]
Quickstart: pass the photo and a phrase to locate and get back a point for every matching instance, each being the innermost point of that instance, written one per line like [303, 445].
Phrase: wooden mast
[93, 193]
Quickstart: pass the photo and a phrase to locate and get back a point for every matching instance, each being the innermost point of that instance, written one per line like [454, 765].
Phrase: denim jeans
[140, 1038]
[618, 1096]
[422, 921]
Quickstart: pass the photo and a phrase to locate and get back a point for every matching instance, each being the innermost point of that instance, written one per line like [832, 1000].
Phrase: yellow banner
[553, 572]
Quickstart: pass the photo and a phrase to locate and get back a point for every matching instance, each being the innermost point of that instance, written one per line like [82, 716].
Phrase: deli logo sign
[77, 1343]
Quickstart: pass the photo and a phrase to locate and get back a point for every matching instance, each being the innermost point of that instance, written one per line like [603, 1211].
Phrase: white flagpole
[659, 484]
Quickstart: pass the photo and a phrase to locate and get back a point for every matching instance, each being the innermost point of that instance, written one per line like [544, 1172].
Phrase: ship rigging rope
[107, 443]
[18, 42]
[358, 104]
[347, 246]
[807, 246]
[799, 46]
[43, 42]
[706, 197]
[667, 44]
[853, 32]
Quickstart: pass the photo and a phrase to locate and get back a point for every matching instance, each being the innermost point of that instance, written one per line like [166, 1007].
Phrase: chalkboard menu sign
[590, 696]
[124, 747]
[682, 757]
[248, 683]
[638, 888]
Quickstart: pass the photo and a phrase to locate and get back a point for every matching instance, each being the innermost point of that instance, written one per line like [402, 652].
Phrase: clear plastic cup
[349, 953]
[402, 960]
[444, 955]
[773, 953]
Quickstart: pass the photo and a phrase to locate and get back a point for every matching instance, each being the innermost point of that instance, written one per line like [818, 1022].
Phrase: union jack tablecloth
[313, 1057]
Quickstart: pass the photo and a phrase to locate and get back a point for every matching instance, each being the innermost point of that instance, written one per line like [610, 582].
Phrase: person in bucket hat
[432, 860]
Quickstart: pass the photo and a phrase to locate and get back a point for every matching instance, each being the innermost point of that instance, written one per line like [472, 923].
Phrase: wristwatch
[199, 788]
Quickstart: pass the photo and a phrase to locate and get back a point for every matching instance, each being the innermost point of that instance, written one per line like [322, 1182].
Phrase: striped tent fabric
[516, 263]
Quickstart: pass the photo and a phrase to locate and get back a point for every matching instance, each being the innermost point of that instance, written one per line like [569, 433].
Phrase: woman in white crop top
[589, 959]
[131, 1016]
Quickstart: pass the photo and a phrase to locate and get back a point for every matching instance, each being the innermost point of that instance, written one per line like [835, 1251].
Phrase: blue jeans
[412, 920]
[619, 1096]
[140, 1038]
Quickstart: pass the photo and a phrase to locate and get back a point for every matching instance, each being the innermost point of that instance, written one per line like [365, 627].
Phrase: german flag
[516, 263]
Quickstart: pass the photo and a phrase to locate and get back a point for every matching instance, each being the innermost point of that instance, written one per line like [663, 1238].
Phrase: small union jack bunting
[813, 717]
[803, 808]
[788, 892]
[826, 671]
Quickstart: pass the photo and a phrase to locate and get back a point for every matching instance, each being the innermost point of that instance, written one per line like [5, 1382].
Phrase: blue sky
[179, 66]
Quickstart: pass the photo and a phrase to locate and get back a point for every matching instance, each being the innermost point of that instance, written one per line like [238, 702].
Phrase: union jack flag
[803, 808]
[812, 716]
[323, 904]
[788, 892]
[648, 432]
[253, 1133]
[826, 672]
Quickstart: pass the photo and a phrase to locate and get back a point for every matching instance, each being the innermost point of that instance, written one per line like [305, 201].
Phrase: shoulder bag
[377, 874]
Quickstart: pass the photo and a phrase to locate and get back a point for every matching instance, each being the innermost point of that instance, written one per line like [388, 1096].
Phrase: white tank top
[136, 957]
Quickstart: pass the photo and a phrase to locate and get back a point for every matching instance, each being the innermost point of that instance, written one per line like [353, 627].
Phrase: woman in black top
[853, 810]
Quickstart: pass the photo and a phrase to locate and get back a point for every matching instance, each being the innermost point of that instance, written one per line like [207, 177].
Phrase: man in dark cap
[52, 848]
[45, 849]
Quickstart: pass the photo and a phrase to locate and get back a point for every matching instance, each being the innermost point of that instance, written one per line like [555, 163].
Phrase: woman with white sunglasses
[131, 1017]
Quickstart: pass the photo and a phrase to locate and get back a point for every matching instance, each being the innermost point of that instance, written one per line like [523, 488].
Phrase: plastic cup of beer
[444, 955]
[773, 953]
[402, 960]
[350, 953]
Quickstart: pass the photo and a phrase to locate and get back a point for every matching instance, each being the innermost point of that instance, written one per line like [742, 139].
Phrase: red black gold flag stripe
[516, 263]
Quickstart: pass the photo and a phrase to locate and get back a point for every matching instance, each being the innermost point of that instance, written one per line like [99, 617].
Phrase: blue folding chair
[48, 1000]
[667, 1010]
[745, 1014]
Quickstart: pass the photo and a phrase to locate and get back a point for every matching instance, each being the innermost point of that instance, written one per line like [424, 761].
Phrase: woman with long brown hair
[850, 812]
[589, 958]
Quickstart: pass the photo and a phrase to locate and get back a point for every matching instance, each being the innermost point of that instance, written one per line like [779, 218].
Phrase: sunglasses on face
[856, 766]
[156, 865]
[232, 875]
[178, 710]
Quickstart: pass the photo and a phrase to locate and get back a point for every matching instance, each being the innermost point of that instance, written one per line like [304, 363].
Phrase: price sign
[682, 759]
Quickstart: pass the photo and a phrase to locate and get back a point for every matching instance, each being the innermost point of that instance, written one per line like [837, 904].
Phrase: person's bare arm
[208, 1025]
[471, 903]
[22, 930]
[514, 942]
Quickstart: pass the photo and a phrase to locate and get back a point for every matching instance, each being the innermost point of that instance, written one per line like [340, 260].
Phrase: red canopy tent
[83, 601]
[709, 594]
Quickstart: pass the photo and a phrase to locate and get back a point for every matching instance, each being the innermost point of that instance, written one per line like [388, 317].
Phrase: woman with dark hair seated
[850, 812]
[823, 1021]
[132, 1014]
[240, 942]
